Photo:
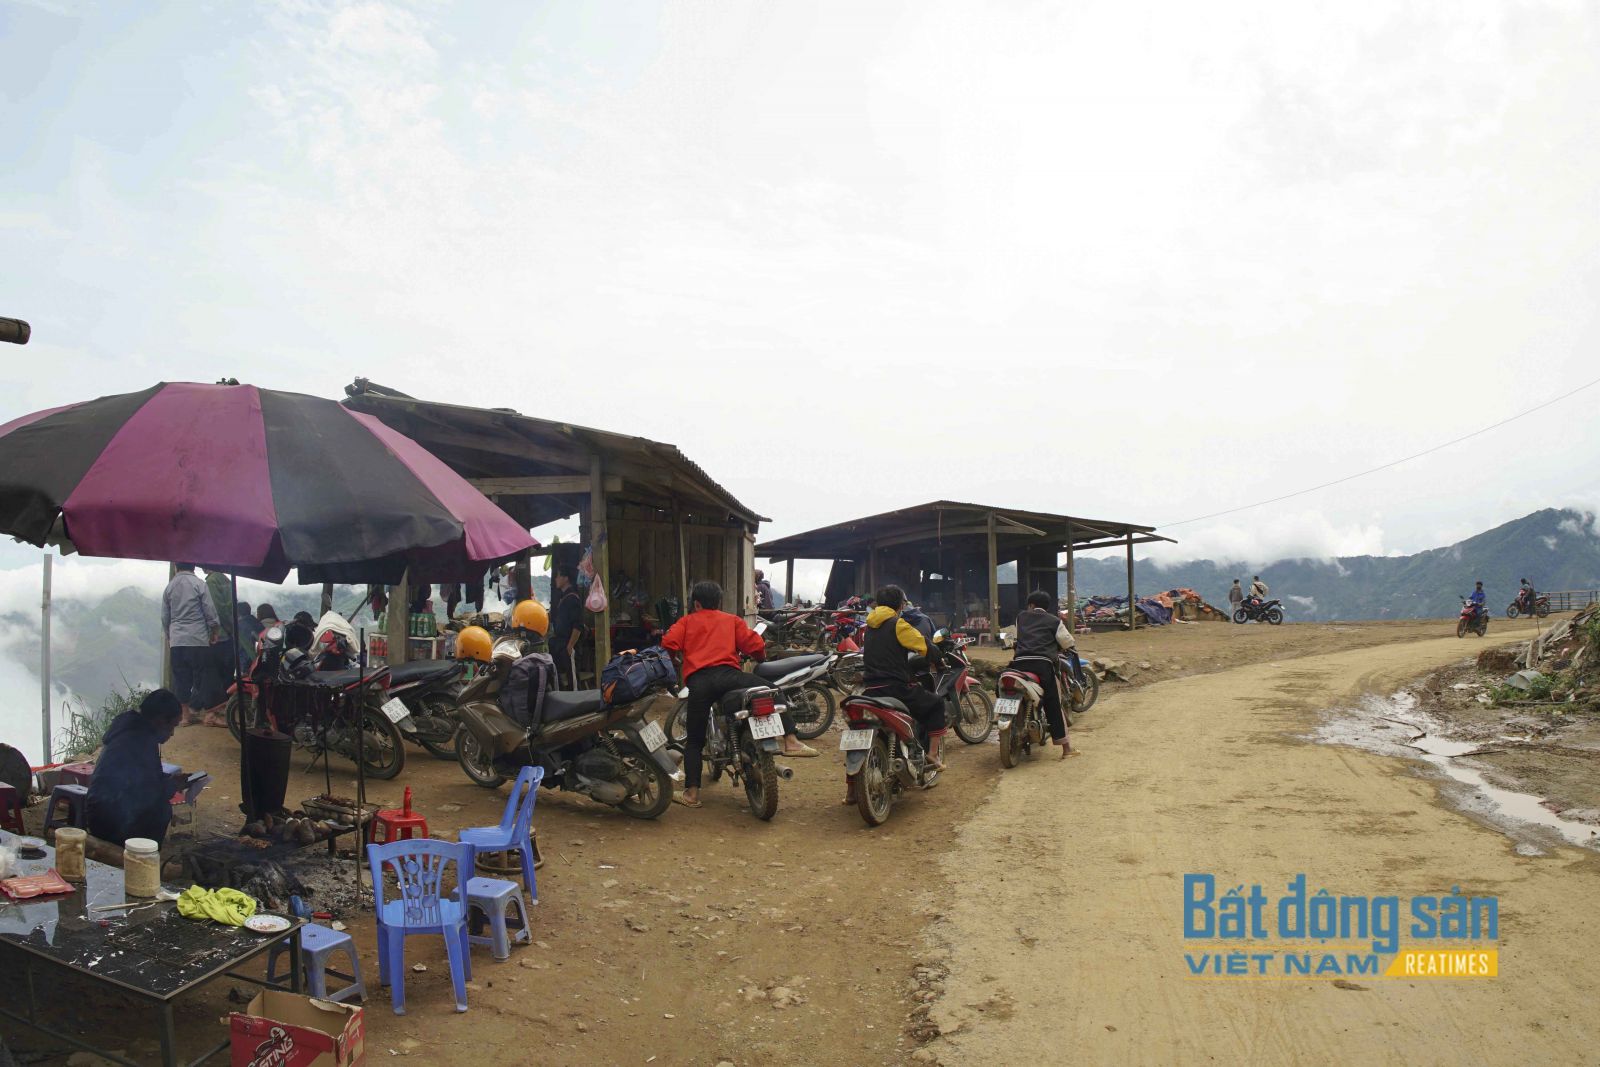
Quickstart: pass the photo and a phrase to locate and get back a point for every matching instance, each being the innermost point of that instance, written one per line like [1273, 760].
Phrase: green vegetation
[81, 734]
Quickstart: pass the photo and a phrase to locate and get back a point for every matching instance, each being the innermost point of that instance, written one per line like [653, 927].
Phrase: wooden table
[151, 956]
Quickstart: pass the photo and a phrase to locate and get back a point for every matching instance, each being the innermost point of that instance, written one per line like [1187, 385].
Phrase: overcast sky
[1125, 265]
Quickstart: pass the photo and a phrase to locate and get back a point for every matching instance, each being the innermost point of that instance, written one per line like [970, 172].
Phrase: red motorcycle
[1520, 606]
[968, 707]
[1474, 619]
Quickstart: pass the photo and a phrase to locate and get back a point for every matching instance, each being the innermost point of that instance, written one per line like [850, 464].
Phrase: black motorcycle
[609, 754]
[744, 734]
[429, 688]
[1254, 609]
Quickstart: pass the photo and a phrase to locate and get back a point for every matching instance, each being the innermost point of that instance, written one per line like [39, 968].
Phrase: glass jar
[69, 852]
[141, 867]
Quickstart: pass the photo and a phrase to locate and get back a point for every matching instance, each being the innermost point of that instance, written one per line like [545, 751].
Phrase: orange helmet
[474, 643]
[530, 615]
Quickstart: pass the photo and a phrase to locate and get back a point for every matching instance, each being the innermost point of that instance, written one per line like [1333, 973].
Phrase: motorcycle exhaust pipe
[785, 773]
[611, 793]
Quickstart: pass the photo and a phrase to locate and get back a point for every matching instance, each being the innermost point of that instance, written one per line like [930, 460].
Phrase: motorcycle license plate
[1007, 707]
[395, 709]
[855, 740]
[652, 737]
[766, 726]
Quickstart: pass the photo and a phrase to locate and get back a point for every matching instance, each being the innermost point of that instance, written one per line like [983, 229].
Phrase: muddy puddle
[1397, 725]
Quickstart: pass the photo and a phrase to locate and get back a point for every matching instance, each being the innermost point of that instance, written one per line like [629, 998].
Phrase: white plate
[1006, 707]
[267, 924]
[765, 726]
[855, 740]
[395, 709]
[652, 737]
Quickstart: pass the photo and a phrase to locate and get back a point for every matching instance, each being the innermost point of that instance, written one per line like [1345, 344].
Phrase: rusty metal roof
[501, 443]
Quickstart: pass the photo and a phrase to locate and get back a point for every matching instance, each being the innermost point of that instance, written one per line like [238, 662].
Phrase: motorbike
[1254, 609]
[1020, 711]
[969, 711]
[609, 754]
[429, 689]
[1519, 606]
[885, 753]
[744, 734]
[802, 685]
[1473, 619]
[322, 710]
[1077, 696]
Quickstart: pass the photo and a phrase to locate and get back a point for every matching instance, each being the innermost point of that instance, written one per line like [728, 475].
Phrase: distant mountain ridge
[1552, 548]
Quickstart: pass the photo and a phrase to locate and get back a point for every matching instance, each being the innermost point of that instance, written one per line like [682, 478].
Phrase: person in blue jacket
[128, 795]
[1476, 599]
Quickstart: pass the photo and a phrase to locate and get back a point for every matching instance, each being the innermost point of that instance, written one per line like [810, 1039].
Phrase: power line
[1385, 466]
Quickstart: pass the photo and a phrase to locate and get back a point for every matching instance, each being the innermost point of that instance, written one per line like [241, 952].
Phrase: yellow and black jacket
[883, 654]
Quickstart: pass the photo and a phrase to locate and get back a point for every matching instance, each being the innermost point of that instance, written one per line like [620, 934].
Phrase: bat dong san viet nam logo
[1246, 932]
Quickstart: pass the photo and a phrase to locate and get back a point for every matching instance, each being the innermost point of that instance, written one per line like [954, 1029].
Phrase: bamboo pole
[601, 559]
[994, 581]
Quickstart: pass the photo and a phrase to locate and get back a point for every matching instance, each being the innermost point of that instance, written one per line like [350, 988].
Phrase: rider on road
[886, 670]
[709, 642]
[1258, 589]
[1041, 639]
[1476, 599]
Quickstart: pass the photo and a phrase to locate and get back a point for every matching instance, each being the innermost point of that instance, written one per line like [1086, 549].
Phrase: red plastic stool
[11, 809]
[396, 825]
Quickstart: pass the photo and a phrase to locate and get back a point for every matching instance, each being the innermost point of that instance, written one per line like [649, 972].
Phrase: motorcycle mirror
[940, 636]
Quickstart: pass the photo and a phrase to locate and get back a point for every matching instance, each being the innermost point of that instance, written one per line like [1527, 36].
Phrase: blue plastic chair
[421, 908]
[512, 833]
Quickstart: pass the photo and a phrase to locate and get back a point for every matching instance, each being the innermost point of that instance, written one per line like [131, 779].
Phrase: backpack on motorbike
[522, 695]
[631, 675]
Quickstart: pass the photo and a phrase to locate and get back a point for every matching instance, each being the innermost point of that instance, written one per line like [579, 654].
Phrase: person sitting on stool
[129, 795]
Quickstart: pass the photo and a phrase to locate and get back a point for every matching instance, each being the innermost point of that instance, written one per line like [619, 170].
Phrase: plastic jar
[141, 867]
[69, 852]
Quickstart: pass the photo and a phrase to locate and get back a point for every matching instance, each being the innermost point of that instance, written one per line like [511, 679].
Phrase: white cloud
[1307, 602]
[1303, 534]
[1550, 543]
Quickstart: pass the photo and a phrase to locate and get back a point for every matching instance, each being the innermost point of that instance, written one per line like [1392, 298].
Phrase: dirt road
[1065, 942]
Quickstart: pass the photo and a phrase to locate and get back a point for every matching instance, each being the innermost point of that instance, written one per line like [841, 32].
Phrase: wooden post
[327, 598]
[994, 581]
[1133, 614]
[44, 658]
[1072, 582]
[788, 583]
[683, 559]
[601, 560]
[872, 570]
[399, 622]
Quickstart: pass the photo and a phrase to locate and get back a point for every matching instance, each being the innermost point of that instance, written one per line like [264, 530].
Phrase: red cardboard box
[287, 1030]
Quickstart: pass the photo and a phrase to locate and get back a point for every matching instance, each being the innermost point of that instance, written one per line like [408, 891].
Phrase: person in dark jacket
[1041, 639]
[566, 623]
[919, 619]
[128, 795]
[886, 668]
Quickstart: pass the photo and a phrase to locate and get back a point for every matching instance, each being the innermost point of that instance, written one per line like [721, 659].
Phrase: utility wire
[1385, 466]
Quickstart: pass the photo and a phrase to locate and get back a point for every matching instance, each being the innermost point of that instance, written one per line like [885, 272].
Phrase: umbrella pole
[245, 725]
[361, 747]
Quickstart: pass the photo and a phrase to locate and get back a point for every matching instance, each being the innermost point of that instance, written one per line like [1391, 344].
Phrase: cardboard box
[287, 1030]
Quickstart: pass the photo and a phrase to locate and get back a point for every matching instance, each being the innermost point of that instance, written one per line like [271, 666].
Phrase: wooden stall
[651, 515]
[947, 555]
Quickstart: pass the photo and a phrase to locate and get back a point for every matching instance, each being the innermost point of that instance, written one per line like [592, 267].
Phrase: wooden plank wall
[644, 546]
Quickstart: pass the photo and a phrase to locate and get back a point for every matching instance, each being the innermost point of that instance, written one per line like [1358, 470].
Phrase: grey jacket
[187, 614]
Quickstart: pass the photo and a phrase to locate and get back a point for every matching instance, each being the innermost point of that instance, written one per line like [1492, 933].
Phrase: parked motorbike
[802, 685]
[609, 754]
[322, 710]
[1519, 606]
[429, 689]
[1254, 609]
[1473, 619]
[885, 754]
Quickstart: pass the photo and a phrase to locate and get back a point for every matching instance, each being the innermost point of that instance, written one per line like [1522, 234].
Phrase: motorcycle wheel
[1461, 628]
[1274, 616]
[475, 762]
[439, 713]
[655, 796]
[815, 714]
[975, 716]
[1083, 699]
[874, 794]
[241, 709]
[1542, 610]
[1010, 745]
[677, 724]
[760, 779]
[384, 748]
[1512, 612]
[1482, 629]
[1241, 616]
[846, 679]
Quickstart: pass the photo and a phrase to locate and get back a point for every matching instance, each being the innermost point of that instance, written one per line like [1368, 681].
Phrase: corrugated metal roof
[523, 444]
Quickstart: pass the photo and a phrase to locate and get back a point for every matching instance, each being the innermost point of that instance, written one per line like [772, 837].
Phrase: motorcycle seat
[559, 706]
[772, 670]
[339, 679]
[1029, 675]
[879, 702]
[423, 670]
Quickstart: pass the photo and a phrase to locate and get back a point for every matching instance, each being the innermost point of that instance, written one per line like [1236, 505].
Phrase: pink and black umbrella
[246, 480]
